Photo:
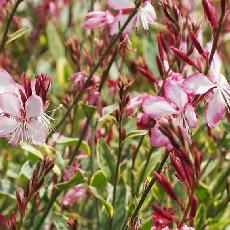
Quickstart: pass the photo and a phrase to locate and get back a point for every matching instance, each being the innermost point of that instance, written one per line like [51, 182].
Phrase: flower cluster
[23, 116]
[100, 19]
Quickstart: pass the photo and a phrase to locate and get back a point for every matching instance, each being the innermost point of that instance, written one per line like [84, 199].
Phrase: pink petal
[157, 107]
[7, 126]
[198, 84]
[37, 131]
[121, 4]
[5, 78]
[175, 93]
[190, 115]
[15, 138]
[158, 139]
[34, 106]
[148, 13]
[10, 104]
[215, 109]
[119, 21]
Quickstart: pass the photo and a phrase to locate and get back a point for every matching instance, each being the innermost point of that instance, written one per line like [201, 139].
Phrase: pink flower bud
[147, 74]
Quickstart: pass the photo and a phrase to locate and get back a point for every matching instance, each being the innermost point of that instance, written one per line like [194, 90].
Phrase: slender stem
[9, 21]
[215, 42]
[57, 193]
[144, 170]
[133, 164]
[86, 84]
[148, 188]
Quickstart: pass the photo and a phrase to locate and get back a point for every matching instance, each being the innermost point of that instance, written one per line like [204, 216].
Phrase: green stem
[103, 56]
[147, 190]
[9, 21]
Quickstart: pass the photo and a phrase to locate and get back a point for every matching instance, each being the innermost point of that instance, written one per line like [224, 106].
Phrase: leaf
[107, 205]
[89, 110]
[19, 33]
[78, 178]
[135, 133]
[60, 222]
[55, 43]
[7, 188]
[31, 149]
[150, 53]
[73, 141]
[98, 180]
[26, 170]
[106, 160]
[200, 218]
[120, 205]
[109, 109]
[109, 118]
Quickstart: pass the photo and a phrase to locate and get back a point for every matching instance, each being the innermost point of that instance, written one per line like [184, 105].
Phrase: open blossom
[217, 90]
[146, 15]
[22, 112]
[97, 19]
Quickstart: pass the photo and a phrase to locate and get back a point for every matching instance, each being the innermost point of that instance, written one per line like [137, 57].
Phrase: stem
[215, 42]
[133, 164]
[118, 161]
[57, 193]
[4, 37]
[86, 84]
[148, 188]
[144, 170]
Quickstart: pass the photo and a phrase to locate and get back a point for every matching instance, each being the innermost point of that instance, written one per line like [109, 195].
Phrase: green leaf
[98, 180]
[106, 160]
[120, 204]
[60, 222]
[147, 225]
[55, 43]
[89, 110]
[19, 33]
[7, 188]
[78, 178]
[200, 218]
[107, 205]
[73, 141]
[109, 118]
[26, 170]
[135, 133]
[31, 149]
[109, 109]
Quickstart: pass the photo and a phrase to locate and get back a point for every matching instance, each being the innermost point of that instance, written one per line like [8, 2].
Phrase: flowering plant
[114, 114]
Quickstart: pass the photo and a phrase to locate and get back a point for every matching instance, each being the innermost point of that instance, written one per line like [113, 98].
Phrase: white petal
[7, 126]
[37, 131]
[157, 107]
[198, 84]
[10, 104]
[175, 93]
[215, 109]
[120, 4]
[190, 115]
[34, 106]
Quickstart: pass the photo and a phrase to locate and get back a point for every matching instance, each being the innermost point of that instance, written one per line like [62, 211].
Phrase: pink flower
[218, 91]
[97, 19]
[23, 122]
[175, 102]
[133, 104]
[146, 15]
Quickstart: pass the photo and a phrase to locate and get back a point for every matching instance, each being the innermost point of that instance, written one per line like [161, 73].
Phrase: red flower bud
[147, 74]
[197, 44]
[210, 13]
[160, 65]
[185, 58]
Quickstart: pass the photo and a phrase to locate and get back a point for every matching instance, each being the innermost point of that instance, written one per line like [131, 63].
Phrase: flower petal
[7, 126]
[175, 93]
[37, 131]
[119, 21]
[10, 104]
[157, 107]
[215, 109]
[158, 139]
[121, 4]
[147, 12]
[5, 78]
[198, 84]
[15, 138]
[34, 106]
[190, 115]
